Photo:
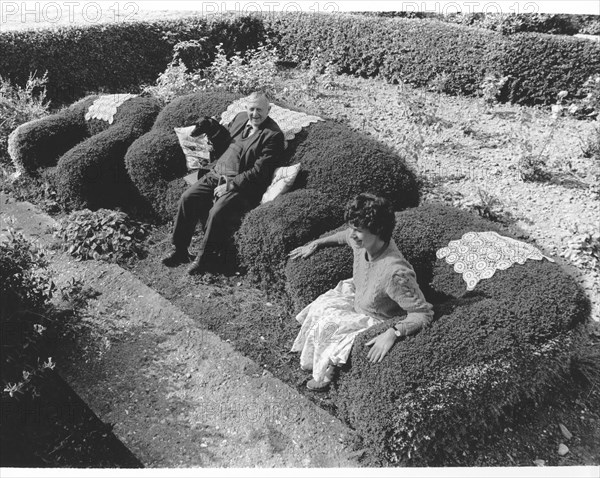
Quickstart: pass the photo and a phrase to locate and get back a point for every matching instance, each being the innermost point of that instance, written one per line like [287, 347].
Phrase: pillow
[283, 179]
[195, 148]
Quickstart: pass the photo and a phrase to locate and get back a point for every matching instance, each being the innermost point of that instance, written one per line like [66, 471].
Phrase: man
[234, 184]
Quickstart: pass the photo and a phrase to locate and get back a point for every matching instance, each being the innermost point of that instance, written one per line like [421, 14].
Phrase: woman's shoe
[315, 386]
[324, 384]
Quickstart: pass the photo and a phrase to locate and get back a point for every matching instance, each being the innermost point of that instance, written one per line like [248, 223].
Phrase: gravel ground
[470, 148]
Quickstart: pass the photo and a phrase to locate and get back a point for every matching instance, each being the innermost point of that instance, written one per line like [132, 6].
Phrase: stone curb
[178, 395]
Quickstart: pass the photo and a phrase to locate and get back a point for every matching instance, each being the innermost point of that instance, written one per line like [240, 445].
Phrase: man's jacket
[260, 156]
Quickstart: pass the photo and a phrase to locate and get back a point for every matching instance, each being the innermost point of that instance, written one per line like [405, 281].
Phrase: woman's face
[362, 237]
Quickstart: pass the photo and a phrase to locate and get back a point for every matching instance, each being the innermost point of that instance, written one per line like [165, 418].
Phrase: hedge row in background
[500, 348]
[121, 57]
[117, 57]
[427, 52]
[509, 23]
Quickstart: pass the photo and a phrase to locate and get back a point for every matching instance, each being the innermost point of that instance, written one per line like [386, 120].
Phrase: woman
[382, 288]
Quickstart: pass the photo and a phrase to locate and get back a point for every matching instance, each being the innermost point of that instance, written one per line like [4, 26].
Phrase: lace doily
[478, 255]
[290, 122]
[105, 107]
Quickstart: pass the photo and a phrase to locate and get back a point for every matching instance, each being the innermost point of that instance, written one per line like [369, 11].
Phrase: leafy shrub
[103, 234]
[26, 289]
[121, 56]
[498, 349]
[243, 74]
[20, 105]
[155, 162]
[269, 232]
[40, 143]
[92, 174]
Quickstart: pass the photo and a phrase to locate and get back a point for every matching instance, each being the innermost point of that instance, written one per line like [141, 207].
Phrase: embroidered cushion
[283, 180]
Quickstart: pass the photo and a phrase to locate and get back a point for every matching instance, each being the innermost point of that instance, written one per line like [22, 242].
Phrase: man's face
[258, 110]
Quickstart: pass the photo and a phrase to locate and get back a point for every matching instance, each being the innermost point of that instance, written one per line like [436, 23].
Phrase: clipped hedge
[40, 143]
[489, 352]
[269, 232]
[120, 56]
[92, 174]
[155, 162]
[306, 279]
[425, 52]
[541, 65]
[343, 163]
[413, 51]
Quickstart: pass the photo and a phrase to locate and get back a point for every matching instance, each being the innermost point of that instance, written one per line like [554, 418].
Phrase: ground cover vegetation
[546, 353]
[44, 423]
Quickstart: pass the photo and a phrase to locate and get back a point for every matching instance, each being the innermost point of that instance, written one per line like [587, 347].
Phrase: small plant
[590, 146]
[420, 108]
[586, 365]
[19, 105]
[583, 248]
[488, 206]
[531, 163]
[102, 235]
[491, 88]
[585, 108]
[77, 294]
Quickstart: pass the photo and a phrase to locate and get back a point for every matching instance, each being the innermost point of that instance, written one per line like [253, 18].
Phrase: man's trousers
[218, 219]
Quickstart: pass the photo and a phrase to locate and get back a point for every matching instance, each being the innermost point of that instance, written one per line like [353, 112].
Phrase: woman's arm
[306, 250]
[405, 291]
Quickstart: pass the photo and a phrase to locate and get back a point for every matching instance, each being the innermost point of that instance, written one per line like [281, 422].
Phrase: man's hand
[304, 251]
[220, 190]
[380, 345]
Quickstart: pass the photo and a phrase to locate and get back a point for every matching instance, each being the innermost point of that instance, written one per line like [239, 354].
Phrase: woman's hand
[304, 251]
[381, 345]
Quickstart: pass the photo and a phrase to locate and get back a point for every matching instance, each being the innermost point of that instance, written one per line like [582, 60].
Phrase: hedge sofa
[503, 346]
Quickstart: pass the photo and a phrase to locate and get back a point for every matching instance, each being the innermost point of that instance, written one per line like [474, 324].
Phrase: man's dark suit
[259, 157]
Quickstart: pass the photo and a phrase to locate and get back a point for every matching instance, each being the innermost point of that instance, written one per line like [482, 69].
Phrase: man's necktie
[247, 131]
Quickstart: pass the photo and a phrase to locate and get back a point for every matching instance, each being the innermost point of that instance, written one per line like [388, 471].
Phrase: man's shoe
[197, 266]
[176, 257]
